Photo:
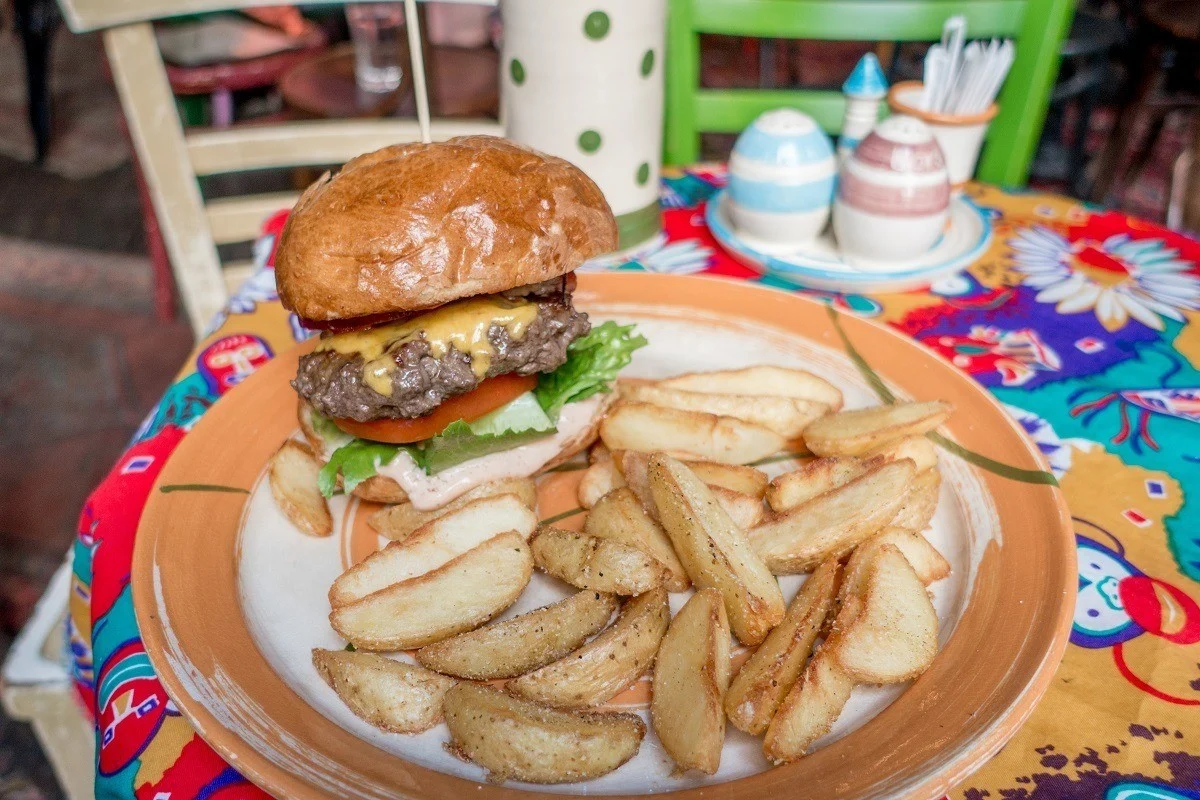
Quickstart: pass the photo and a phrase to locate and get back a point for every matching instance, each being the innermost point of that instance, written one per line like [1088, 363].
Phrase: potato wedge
[834, 523]
[641, 426]
[893, 636]
[929, 564]
[812, 479]
[391, 695]
[433, 545]
[690, 681]
[809, 709]
[918, 449]
[787, 416]
[745, 510]
[621, 517]
[920, 504]
[600, 669]
[515, 646]
[520, 740]
[853, 433]
[760, 685]
[714, 551]
[598, 452]
[591, 562]
[459, 595]
[734, 477]
[293, 477]
[378, 489]
[760, 380]
[598, 480]
[399, 521]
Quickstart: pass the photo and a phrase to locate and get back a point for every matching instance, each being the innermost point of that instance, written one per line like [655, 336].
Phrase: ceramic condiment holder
[959, 135]
[893, 195]
[781, 178]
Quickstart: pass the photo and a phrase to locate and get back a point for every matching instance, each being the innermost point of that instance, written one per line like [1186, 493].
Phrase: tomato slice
[486, 397]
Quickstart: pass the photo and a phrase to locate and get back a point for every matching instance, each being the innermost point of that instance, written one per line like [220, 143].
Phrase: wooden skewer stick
[418, 68]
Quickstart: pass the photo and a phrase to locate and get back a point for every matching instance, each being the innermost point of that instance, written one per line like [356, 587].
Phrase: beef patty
[333, 382]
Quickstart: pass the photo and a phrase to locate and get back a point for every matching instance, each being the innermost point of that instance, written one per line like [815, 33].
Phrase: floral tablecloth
[1085, 323]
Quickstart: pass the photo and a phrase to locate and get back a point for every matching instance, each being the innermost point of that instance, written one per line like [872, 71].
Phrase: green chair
[1037, 26]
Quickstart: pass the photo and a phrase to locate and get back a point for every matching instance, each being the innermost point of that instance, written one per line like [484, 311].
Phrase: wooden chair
[172, 159]
[1038, 26]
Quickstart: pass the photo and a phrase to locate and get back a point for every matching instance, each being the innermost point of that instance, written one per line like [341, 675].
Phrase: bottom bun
[381, 489]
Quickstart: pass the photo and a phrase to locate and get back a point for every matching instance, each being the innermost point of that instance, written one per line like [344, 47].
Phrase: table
[1085, 323]
[462, 83]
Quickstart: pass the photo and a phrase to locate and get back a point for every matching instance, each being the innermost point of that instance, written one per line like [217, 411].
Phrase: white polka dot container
[583, 80]
[781, 178]
[893, 196]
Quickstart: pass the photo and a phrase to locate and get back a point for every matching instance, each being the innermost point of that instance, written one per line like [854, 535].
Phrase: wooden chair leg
[1183, 208]
[37, 21]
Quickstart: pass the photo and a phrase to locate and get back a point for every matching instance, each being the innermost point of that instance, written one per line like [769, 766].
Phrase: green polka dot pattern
[643, 173]
[517, 70]
[647, 63]
[589, 141]
[596, 25]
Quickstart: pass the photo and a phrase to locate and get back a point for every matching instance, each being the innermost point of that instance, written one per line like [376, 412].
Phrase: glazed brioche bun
[414, 226]
[381, 489]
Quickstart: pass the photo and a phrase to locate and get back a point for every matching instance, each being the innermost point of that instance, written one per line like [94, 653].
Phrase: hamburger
[440, 278]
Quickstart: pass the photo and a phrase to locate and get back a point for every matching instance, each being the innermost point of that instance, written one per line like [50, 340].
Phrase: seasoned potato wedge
[745, 510]
[714, 551]
[834, 523]
[768, 675]
[690, 680]
[920, 504]
[293, 477]
[734, 477]
[598, 480]
[399, 521]
[378, 489]
[918, 449]
[391, 695]
[520, 740]
[621, 517]
[853, 433]
[598, 452]
[929, 564]
[641, 426]
[814, 478]
[515, 646]
[433, 545]
[809, 709]
[462, 594]
[761, 380]
[892, 637]
[600, 669]
[592, 562]
[787, 416]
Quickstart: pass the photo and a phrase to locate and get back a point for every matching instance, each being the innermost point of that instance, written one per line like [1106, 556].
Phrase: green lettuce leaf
[515, 423]
[593, 362]
[357, 461]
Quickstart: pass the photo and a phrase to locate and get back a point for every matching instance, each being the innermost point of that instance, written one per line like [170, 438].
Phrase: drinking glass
[376, 29]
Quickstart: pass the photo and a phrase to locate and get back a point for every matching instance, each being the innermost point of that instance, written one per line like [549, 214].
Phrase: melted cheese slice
[463, 325]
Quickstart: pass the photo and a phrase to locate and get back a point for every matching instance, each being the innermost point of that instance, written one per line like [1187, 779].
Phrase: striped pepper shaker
[781, 178]
[893, 195]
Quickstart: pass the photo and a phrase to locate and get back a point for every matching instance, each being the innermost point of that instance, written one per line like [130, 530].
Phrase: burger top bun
[414, 226]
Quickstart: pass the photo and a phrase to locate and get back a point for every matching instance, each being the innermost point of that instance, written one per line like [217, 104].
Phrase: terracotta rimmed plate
[230, 599]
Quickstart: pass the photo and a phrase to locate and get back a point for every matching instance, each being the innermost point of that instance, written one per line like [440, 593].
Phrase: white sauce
[427, 492]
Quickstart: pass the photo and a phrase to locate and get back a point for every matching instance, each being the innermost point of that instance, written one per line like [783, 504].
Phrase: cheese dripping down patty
[463, 325]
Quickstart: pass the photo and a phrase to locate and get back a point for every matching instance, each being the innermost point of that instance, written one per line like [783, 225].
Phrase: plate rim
[967, 759]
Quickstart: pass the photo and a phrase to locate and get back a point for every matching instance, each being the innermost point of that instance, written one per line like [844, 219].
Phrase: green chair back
[1037, 26]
